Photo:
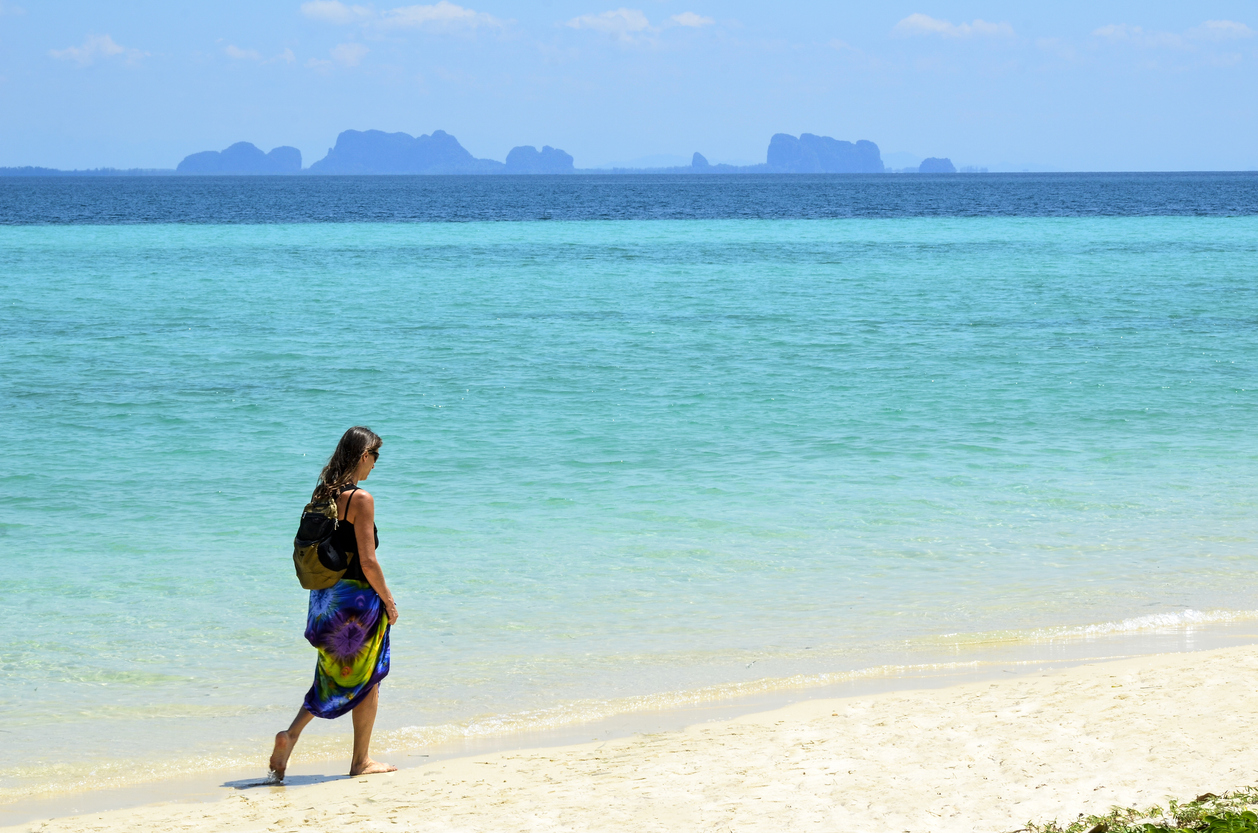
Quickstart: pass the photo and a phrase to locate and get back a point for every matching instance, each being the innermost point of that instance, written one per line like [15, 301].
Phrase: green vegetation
[1232, 812]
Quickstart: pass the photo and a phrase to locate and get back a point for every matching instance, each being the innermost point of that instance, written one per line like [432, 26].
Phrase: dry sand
[983, 756]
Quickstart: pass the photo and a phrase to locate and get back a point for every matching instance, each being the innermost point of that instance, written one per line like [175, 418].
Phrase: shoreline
[994, 664]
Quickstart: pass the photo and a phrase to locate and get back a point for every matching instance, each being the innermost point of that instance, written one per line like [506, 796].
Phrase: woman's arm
[365, 533]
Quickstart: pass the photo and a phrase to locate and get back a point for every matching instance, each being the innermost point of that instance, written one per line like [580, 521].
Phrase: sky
[1067, 85]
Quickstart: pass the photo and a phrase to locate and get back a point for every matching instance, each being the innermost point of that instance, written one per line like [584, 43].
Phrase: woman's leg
[364, 719]
[284, 743]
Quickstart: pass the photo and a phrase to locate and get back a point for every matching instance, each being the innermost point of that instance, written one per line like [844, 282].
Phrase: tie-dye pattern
[346, 623]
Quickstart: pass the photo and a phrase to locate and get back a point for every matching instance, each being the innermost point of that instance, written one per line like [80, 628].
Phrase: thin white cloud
[1215, 31]
[236, 53]
[920, 24]
[286, 56]
[1220, 30]
[623, 23]
[334, 11]
[1225, 60]
[845, 49]
[9, 8]
[1122, 33]
[94, 47]
[691, 19]
[349, 54]
[438, 16]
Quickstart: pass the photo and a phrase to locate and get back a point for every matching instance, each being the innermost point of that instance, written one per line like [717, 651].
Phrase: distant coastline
[29, 170]
[374, 152]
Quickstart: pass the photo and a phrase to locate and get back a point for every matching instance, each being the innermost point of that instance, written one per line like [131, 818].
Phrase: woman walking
[348, 623]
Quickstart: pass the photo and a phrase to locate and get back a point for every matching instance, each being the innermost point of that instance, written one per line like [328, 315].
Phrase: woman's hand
[390, 610]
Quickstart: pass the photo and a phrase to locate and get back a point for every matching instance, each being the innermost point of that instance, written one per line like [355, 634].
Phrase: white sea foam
[1152, 622]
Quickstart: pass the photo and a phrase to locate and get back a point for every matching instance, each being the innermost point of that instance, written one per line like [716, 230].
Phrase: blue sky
[1068, 85]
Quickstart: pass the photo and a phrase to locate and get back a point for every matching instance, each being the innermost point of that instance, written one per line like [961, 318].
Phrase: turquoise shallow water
[621, 458]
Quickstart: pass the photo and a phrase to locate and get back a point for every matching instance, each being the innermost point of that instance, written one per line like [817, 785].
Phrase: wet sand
[985, 755]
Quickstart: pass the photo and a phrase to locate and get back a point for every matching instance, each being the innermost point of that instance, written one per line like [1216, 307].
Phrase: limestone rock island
[811, 154]
[242, 158]
[935, 165]
[527, 159]
[377, 152]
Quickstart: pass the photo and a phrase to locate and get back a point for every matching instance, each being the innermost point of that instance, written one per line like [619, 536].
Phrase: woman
[347, 623]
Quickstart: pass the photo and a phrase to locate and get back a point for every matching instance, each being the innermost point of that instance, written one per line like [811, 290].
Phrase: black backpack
[318, 562]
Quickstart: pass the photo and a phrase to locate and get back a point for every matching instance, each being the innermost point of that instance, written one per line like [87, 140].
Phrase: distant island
[242, 158]
[377, 152]
[374, 152]
[811, 154]
[934, 165]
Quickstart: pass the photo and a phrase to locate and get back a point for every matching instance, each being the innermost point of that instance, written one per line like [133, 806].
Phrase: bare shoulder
[363, 505]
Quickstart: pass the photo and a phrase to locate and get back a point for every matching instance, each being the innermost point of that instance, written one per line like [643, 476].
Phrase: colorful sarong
[346, 623]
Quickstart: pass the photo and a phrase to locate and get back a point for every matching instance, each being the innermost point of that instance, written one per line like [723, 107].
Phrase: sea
[649, 442]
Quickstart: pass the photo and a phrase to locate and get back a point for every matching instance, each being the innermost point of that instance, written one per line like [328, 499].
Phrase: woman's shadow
[289, 781]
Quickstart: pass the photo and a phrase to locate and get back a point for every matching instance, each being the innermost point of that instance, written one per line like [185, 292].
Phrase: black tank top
[345, 541]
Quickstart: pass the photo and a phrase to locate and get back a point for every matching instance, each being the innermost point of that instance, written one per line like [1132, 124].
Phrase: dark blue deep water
[408, 199]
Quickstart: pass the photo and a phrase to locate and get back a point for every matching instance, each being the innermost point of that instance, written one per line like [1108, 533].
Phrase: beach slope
[981, 756]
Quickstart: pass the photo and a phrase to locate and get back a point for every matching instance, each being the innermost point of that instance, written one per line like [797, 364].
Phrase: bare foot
[370, 767]
[279, 757]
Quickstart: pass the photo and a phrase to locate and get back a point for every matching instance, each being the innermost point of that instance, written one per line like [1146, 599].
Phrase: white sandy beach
[982, 756]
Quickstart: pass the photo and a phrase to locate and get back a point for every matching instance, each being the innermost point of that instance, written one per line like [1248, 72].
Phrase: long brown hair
[343, 464]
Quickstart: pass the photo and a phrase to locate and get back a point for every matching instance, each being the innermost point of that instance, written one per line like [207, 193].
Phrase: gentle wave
[1154, 622]
[592, 711]
[1151, 622]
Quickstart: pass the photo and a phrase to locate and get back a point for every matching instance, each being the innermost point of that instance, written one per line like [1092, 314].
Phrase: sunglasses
[375, 454]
